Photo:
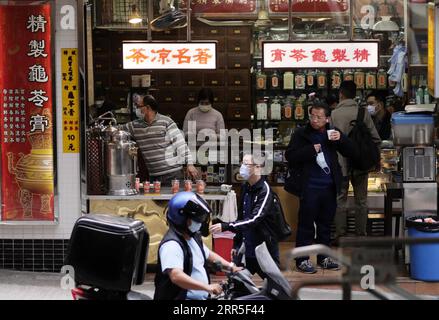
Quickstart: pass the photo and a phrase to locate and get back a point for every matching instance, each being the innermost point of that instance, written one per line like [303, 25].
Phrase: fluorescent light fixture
[385, 25]
[135, 16]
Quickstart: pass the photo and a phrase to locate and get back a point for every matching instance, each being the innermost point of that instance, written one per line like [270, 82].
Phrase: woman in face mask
[203, 116]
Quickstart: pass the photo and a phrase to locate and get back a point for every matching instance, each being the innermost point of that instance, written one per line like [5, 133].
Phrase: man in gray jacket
[341, 117]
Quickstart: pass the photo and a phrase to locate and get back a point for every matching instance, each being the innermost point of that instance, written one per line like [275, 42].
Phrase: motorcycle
[239, 285]
[108, 255]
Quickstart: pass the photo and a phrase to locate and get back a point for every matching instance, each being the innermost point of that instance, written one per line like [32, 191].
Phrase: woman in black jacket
[315, 177]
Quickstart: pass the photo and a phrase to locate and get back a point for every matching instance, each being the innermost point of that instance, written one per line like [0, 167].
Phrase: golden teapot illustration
[34, 172]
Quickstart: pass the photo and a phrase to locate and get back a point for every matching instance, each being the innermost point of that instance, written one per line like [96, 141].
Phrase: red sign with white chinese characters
[221, 6]
[309, 6]
[302, 55]
[26, 113]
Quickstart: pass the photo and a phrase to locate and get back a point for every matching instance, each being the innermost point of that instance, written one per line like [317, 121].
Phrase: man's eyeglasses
[314, 117]
[248, 164]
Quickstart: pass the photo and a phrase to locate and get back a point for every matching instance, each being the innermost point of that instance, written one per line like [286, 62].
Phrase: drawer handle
[214, 82]
[237, 99]
[168, 82]
[237, 82]
[191, 82]
[98, 66]
[236, 31]
[213, 31]
[237, 115]
[121, 82]
[215, 99]
[121, 99]
[191, 99]
[237, 48]
[168, 99]
[237, 65]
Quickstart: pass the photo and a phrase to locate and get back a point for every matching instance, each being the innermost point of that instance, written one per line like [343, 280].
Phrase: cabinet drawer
[238, 31]
[237, 95]
[190, 96]
[213, 31]
[164, 95]
[191, 78]
[235, 123]
[238, 112]
[165, 79]
[174, 111]
[101, 63]
[121, 80]
[101, 80]
[119, 96]
[238, 78]
[213, 78]
[238, 44]
[221, 61]
[101, 45]
[221, 41]
[218, 95]
[238, 61]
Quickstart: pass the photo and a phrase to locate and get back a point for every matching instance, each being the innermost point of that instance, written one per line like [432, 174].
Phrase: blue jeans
[317, 206]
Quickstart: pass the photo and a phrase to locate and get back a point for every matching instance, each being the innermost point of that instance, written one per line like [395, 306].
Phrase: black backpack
[367, 153]
[282, 228]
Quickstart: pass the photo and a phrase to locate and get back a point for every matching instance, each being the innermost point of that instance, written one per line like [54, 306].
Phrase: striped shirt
[162, 144]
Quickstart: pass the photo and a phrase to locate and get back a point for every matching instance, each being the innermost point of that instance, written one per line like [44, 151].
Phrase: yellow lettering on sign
[70, 100]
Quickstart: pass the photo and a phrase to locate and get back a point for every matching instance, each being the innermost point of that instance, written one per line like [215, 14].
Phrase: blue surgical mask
[322, 163]
[194, 226]
[139, 113]
[244, 171]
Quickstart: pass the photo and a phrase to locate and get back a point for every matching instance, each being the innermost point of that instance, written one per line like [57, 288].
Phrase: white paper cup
[330, 131]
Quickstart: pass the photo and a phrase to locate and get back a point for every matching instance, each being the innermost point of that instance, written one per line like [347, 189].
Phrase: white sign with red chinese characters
[169, 55]
[278, 55]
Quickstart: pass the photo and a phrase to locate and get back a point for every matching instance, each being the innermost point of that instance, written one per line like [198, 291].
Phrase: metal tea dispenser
[121, 163]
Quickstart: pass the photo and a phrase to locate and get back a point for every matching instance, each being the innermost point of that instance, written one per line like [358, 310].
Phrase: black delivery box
[108, 252]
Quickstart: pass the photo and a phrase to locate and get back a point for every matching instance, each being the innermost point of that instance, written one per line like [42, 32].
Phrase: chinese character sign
[70, 100]
[228, 7]
[168, 55]
[309, 6]
[27, 182]
[290, 55]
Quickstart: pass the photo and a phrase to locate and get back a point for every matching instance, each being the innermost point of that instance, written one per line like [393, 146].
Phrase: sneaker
[306, 267]
[329, 264]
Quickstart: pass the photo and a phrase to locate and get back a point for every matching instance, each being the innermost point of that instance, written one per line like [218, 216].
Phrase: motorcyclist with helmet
[182, 256]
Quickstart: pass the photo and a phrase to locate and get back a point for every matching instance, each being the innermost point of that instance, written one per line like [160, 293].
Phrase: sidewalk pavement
[21, 285]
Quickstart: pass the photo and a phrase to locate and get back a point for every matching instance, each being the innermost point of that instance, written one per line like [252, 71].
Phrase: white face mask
[244, 171]
[139, 113]
[205, 107]
[194, 226]
[371, 108]
[322, 163]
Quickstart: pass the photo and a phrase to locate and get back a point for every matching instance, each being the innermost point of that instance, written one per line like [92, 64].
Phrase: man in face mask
[380, 115]
[255, 216]
[315, 177]
[182, 256]
[204, 116]
[160, 142]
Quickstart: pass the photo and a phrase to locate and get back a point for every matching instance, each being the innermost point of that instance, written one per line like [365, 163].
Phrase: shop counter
[151, 209]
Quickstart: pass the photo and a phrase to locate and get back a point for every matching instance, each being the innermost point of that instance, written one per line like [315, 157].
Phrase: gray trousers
[359, 184]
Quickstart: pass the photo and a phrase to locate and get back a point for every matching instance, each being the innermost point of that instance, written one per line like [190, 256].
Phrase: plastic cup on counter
[175, 186]
[187, 185]
[157, 186]
[146, 186]
[200, 186]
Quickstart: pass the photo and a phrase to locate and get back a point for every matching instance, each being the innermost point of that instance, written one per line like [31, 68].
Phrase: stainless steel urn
[121, 163]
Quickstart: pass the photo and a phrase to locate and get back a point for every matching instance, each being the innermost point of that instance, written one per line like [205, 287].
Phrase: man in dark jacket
[315, 177]
[256, 220]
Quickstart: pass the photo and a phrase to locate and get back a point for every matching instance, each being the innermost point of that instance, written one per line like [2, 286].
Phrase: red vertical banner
[27, 179]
